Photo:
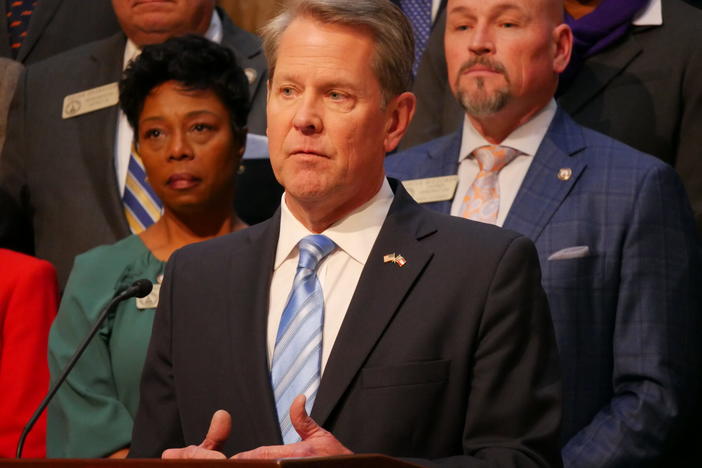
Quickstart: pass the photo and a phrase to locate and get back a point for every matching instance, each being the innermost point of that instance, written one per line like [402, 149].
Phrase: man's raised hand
[220, 428]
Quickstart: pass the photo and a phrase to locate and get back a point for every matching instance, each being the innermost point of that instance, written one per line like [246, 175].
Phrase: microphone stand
[139, 288]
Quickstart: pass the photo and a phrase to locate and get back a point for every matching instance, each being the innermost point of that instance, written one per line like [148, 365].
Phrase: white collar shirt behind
[650, 15]
[123, 140]
[338, 273]
[526, 139]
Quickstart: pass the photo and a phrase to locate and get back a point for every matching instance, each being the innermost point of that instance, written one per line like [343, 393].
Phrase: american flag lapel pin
[400, 260]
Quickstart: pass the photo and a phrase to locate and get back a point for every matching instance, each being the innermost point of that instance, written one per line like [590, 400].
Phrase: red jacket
[28, 302]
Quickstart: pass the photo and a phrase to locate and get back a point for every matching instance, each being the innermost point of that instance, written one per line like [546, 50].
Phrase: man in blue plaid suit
[614, 231]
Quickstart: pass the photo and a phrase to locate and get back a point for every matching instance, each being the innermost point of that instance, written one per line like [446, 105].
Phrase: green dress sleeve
[89, 416]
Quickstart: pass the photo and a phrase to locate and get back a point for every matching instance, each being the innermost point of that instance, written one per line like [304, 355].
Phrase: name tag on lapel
[578, 251]
[432, 189]
[90, 100]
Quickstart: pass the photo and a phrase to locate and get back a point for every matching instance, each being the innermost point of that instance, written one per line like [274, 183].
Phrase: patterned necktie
[19, 13]
[142, 206]
[482, 201]
[419, 14]
[297, 358]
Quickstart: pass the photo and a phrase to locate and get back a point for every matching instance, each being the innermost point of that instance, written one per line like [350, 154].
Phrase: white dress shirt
[650, 15]
[526, 138]
[435, 4]
[123, 140]
[338, 273]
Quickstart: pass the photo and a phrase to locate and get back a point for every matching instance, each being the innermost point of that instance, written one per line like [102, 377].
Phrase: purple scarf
[594, 32]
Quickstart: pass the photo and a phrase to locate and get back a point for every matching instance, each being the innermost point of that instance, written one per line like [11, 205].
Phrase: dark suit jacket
[59, 25]
[451, 355]
[644, 91]
[626, 312]
[62, 171]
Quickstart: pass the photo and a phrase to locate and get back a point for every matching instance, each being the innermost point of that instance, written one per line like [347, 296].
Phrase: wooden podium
[346, 461]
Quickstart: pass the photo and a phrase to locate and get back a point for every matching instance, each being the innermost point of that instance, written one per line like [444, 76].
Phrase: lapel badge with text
[398, 260]
[90, 100]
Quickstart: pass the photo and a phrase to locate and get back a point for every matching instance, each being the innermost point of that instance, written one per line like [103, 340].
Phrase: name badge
[150, 301]
[90, 100]
[432, 189]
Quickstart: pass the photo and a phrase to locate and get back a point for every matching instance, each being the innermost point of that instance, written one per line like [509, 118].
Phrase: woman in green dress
[187, 101]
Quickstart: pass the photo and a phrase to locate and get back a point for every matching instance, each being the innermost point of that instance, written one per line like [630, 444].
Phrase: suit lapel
[98, 131]
[43, 13]
[597, 72]
[378, 295]
[248, 329]
[543, 191]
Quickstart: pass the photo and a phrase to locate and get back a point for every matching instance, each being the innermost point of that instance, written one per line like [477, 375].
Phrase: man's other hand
[316, 442]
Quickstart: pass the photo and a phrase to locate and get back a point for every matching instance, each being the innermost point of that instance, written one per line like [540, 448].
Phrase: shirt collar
[214, 33]
[652, 15]
[525, 138]
[355, 234]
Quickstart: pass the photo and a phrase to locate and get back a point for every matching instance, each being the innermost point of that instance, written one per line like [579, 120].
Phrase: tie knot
[493, 158]
[313, 249]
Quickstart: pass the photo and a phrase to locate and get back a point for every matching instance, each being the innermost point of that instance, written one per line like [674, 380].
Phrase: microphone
[139, 288]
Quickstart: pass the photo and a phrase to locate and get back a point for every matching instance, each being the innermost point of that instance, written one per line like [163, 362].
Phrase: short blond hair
[394, 39]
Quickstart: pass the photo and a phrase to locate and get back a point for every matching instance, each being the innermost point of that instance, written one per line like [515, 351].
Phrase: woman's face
[186, 144]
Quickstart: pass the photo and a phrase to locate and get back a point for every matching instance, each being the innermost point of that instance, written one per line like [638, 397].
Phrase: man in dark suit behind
[643, 90]
[431, 334]
[66, 165]
[613, 228]
[56, 26]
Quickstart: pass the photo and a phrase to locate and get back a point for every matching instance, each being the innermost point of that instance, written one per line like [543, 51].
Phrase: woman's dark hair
[195, 62]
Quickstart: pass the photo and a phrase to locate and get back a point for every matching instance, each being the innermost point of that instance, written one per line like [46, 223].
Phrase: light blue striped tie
[297, 358]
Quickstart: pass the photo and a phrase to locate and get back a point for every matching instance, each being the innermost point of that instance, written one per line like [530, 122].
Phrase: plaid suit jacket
[626, 308]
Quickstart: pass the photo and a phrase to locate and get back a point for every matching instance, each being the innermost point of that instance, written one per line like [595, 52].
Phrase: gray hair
[394, 51]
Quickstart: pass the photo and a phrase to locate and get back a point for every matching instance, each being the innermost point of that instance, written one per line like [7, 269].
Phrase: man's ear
[563, 46]
[400, 111]
[268, 99]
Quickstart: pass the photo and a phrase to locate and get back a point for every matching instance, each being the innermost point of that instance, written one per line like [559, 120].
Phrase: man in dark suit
[66, 164]
[613, 228]
[642, 90]
[56, 26]
[431, 334]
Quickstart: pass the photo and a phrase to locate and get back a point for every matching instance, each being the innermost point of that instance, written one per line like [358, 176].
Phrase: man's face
[154, 21]
[504, 53]
[327, 128]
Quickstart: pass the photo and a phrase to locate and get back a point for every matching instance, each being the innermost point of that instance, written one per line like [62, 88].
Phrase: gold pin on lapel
[398, 260]
[251, 75]
[565, 174]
